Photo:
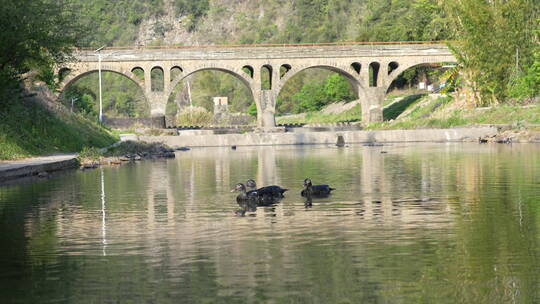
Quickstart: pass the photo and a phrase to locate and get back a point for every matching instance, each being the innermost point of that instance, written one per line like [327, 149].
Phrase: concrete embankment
[34, 166]
[307, 138]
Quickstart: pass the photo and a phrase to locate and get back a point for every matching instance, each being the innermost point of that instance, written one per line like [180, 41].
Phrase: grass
[393, 111]
[429, 117]
[354, 114]
[28, 129]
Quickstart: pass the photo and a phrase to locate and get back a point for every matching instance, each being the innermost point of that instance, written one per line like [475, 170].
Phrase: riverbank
[36, 125]
[37, 166]
[89, 158]
[299, 137]
[153, 147]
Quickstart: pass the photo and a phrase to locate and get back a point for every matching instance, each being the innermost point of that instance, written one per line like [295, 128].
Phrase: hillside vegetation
[487, 63]
[36, 126]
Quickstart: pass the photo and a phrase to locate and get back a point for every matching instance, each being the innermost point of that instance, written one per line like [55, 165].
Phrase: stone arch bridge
[352, 60]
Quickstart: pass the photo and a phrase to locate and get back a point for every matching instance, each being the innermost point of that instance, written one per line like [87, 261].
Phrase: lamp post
[73, 99]
[98, 53]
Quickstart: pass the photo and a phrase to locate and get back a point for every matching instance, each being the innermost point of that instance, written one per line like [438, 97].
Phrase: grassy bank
[420, 110]
[353, 114]
[444, 112]
[28, 129]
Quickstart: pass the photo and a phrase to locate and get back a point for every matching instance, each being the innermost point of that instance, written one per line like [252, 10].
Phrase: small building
[221, 105]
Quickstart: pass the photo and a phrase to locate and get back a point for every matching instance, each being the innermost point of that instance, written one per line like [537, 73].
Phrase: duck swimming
[272, 191]
[244, 195]
[260, 198]
[315, 191]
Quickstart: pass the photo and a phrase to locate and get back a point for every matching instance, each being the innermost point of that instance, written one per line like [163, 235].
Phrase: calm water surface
[445, 223]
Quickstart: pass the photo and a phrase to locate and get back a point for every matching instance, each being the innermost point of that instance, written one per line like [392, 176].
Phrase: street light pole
[98, 51]
[73, 99]
[100, 96]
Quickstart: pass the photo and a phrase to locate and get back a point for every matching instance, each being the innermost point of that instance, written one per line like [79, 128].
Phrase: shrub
[197, 116]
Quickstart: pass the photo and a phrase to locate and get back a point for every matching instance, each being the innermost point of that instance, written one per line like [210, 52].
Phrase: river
[429, 223]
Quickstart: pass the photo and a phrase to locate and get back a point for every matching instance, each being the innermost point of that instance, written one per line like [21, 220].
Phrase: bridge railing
[318, 44]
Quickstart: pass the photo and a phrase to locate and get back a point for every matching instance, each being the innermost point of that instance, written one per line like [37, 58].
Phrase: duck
[269, 191]
[244, 194]
[258, 197]
[315, 191]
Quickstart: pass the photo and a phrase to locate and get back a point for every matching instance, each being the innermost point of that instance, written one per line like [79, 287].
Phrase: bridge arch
[143, 102]
[353, 80]
[400, 69]
[72, 78]
[183, 74]
[394, 110]
[157, 79]
[288, 105]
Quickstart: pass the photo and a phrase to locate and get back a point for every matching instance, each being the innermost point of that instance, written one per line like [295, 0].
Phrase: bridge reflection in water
[397, 221]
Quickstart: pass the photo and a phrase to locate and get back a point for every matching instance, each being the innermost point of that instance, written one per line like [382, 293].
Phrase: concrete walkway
[34, 166]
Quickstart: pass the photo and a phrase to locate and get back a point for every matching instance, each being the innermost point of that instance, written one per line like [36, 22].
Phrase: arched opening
[374, 74]
[405, 95]
[357, 67]
[138, 72]
[392, 66]
[284, 69]
[211, 97]
[63, 73]
[248, 70]
[156, 74]
[329, 91]
[122, 96]
[266, 77]
[175, 72]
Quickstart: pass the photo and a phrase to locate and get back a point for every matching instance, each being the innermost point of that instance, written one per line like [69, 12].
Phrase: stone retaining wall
[17, 169]
[261, 139]
[127, 123]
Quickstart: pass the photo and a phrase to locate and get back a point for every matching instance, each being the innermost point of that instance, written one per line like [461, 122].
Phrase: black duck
[311, 190]
[257, 197]
[268, 191]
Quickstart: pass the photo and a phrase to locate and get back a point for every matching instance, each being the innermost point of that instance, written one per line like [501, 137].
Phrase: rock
[373, 144]
[169, 155]
[137, 157]
[183, 149]
[89, 166]
[124, 159]
[340, 141]
[482, 140]
[43, 174]
[233, 147]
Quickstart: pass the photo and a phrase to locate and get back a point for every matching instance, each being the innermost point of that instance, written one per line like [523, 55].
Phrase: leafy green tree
[310, 98]
[35, 34]
[528, 85]
[403, 20]
[492, 35]
[337, 88]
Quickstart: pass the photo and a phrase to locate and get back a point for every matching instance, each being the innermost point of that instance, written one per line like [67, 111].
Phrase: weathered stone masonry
[246, 63]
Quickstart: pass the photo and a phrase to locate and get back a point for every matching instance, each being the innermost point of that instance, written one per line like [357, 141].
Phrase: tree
[337, 88]
[35, 34]
[490, 34]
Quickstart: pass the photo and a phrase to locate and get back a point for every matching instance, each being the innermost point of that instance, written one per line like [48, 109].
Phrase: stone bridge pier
[265, 70]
